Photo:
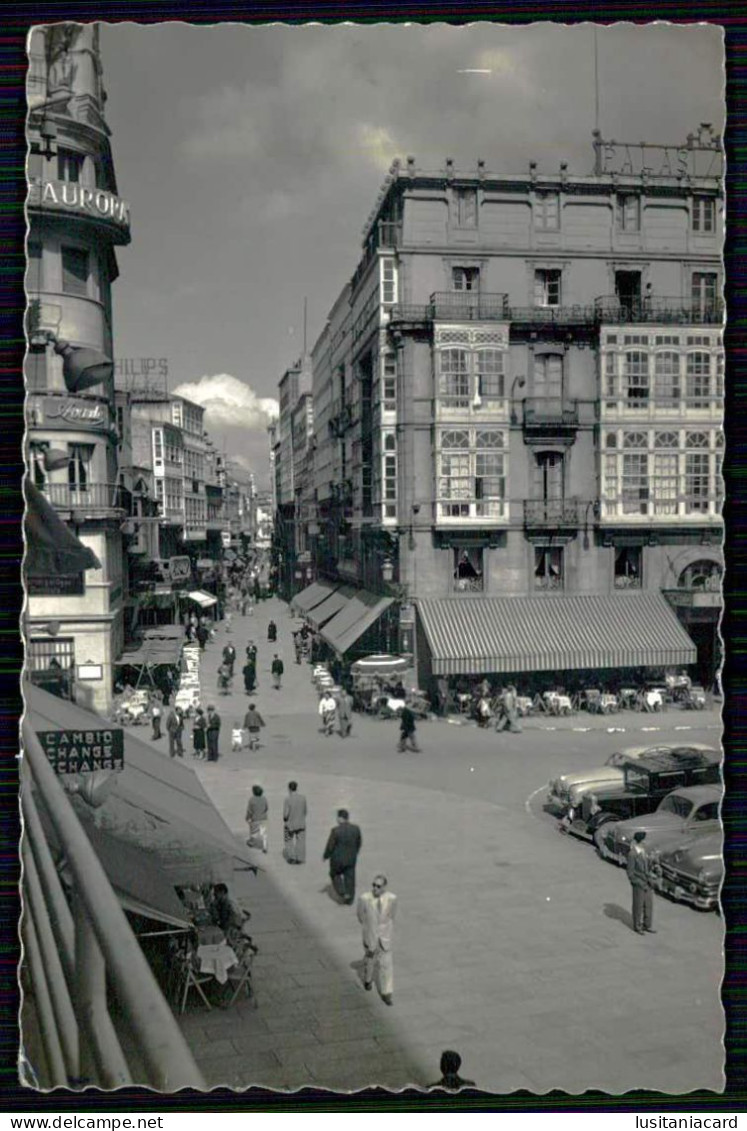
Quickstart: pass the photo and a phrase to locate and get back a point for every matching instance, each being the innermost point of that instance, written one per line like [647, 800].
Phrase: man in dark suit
[342, 850]
[640, 882]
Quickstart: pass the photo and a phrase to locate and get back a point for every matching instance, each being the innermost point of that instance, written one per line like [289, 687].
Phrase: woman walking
[199, 728]
[256, 816]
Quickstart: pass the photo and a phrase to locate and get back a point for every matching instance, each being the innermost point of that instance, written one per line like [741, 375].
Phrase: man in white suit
[376, 910]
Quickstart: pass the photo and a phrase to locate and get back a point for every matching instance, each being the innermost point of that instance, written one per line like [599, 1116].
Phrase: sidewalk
[509, 948]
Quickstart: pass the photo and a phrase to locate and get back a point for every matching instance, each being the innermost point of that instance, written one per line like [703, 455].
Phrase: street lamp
[82, 367]
[591, 505]
[520, 382]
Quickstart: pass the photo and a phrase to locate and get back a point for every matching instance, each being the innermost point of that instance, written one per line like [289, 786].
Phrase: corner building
[518, 402]
[76, 220]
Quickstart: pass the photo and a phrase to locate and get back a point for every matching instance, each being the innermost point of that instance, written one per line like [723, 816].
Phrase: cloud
[229, 402]
[377, 145]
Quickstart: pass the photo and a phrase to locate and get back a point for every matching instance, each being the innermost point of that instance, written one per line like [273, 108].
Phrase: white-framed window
[454, 377]
[490, 378]
[628, 567]
[388, 281]
[75, 271]
[704, 214]
[547, 286]
[157, 447]
[629, 212]
[465, 278]
[465, 207]
[667, 381]
[36, 463]
[547, 211]
[389, 381]
[471, 467]
[389, 475]
[704, 290]
[636, 377]
[698, 380]
[662, 472]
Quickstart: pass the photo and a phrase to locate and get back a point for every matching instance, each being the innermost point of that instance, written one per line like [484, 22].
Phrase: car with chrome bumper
[684, 813]
[565, 792]
[691, 871]
[646, 782]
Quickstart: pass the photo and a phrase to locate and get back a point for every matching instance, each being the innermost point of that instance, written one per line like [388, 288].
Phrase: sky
[251, 158]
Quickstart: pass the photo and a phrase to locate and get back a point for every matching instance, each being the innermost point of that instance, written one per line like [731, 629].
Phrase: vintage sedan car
[690, 872]
[646, 781]
[690, 811]
[566, 791]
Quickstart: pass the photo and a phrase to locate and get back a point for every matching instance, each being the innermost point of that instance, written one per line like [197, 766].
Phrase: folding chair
[240, 977]
[194, 980]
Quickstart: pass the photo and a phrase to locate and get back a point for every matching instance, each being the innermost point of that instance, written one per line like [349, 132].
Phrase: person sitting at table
[398, 691]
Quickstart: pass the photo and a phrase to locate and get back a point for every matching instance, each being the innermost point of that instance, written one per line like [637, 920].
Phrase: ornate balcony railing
[99, 497]
[468, 306]
[552, 512]
[662, 309]
[550, 412]
[578, 315]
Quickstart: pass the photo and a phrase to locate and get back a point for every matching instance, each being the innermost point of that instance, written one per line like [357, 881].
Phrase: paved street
[512, 944]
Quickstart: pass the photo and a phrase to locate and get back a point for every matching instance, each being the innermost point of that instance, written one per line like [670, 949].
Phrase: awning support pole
[102, 1058]
[53, 894]
[43, 1006]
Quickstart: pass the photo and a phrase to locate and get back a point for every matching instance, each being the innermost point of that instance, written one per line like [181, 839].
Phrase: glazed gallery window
[548, 567]
[465, 278]
[704, 290]
[471, 379]
[667, 387]
[698, 380]
[547, 286]
[471, 465]
[629, 212]
[389, 475]
[636, 376]
[662, 473]
[489, 373]
[465, 207]
[388, 282]
[703, 214]
[75, 271]
[666, 378]
[468, 569]
[389, 382]
[454, 377]
[547, 211]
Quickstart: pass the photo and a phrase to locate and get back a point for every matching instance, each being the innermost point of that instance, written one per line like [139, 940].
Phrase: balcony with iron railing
[95, 499]
[550, 414]
[665, 310]
[553, 512]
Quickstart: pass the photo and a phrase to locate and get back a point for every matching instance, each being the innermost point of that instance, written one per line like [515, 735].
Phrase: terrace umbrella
[380, 665]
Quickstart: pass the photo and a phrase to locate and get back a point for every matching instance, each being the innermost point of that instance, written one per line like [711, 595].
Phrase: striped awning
[312, 596]
[350, 623]
[476, 635]
[331, 607]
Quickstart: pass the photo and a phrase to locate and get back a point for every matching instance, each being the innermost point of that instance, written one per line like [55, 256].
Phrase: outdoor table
[216, 959]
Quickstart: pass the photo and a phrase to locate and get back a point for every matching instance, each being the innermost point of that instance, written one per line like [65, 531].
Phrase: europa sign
[71, 197]
[83, 751]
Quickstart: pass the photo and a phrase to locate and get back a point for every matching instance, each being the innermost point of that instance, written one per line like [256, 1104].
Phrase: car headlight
[621, 837]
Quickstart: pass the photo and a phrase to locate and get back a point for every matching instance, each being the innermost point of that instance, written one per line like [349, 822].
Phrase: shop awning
[164, 632]
[312, 596]
[476, 635]
[151, 653]
[336, 601]
[201, 598]
[158, 804]
[51, 547]
[137, 879]
[350, 623]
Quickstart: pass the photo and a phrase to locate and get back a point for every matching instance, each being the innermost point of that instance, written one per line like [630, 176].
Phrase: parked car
[692, 871]
[646, 781]
[566, 791]
[686, 812]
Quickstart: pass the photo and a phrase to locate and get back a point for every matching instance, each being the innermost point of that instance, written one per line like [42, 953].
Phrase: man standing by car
[638, 874]
[343, 846]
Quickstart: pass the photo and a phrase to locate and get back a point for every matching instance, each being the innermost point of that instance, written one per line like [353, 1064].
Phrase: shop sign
[68, 412]
[72, 197]
[83, 751]
[56, 585]
[180, 569]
